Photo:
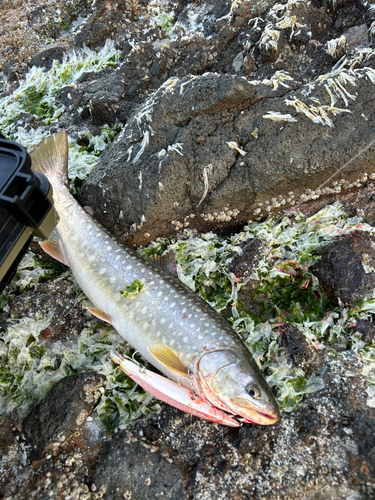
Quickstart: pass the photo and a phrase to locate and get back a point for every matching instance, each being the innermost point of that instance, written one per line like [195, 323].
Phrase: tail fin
[51, 157]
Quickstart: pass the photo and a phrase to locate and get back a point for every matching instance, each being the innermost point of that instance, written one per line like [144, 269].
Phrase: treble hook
[142, 369]
[195, 395]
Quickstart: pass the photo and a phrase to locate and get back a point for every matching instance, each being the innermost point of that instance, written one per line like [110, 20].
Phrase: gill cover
[231, 380]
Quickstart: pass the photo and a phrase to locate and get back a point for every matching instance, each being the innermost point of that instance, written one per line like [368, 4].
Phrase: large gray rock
[200, 153]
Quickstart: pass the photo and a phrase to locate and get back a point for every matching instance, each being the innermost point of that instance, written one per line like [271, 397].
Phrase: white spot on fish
[109, 247]
[118, 257]
[145, 325]
[144, 310]
[112, 280]
[91, 258]
[162, 321]
[184, 310]
[185, 339]
[143, 270]
[118, 250]
[159, 294]
[158, 333]
[127, 268]
[103, 270]
[171, 342]
[200, 337]
[170, 325]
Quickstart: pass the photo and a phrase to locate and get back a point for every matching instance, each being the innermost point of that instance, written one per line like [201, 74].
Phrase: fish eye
[253, 391]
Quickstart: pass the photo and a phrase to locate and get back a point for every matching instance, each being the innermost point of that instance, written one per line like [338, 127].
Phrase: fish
[207, 369]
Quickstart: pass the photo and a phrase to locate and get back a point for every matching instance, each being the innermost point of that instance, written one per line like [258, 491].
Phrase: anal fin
[100, 314]
[53, 248]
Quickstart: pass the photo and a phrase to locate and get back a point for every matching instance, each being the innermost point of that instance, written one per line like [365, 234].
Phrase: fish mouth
[258, 417]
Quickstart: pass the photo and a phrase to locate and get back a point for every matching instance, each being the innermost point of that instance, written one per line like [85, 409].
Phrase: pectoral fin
[171, 393]
[100, 314]
[53, 248]
[168, 358]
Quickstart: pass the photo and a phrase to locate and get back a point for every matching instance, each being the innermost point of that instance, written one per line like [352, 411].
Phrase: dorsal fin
[167, 262]
[53, 248]
[168, 358]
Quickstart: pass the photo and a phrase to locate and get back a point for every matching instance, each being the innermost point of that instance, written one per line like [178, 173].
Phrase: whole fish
[212, 373]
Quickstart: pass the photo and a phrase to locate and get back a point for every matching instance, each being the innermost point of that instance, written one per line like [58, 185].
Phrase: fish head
[232, 381]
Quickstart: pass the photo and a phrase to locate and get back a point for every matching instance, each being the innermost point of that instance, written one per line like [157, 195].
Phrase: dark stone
[6, 433]
[293, 341]
[128, 469]
[345, 269]
[60, 413]
[28, 121]
[45, 58]
[242, 265]
[366, 328]
[57, 296]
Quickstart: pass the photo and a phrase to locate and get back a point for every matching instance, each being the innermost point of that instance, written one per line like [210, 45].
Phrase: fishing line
[343, 167]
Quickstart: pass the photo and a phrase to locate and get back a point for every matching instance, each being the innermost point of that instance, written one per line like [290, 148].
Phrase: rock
[28, 30]
[60, 413]
[243, 264]
[68, 316]
[346, 268]
[294, 343]
[46, 58]
[130, 469]
[165, 178]
[366, 328]
[6, 433]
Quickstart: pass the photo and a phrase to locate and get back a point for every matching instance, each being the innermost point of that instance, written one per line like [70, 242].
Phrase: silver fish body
[164, 317]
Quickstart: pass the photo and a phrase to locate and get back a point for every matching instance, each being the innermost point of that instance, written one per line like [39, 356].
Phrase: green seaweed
[133, 289]
[165, 22]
